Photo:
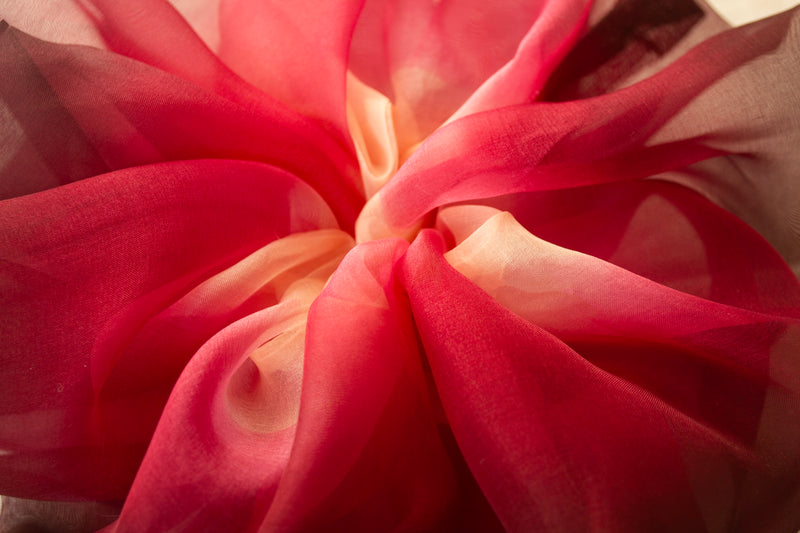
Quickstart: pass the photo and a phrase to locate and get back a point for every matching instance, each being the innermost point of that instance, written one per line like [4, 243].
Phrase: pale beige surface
[738, 12]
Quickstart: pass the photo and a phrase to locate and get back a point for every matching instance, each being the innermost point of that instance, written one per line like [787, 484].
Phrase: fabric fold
[398, 265]
[240, 393]
[539, 387]
[703, 250]
[307, 45]
[608, 138]
[92, 263]
[119, 113]
[203, 468]
[367, 454]
[429, 57]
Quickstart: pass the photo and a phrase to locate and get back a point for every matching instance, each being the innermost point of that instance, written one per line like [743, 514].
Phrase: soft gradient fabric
[398, 265]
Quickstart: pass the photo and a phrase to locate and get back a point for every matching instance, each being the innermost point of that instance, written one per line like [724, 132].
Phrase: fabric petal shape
[239, 394]
[550, 37]
[296, 54]
[259, 41]
[368, 454]
[702, 250]
[542, 400]
[119, 113]
[398, 265]
[612, 137]
[203, 469]
[89, 263]
[429, 57]
[754, 115]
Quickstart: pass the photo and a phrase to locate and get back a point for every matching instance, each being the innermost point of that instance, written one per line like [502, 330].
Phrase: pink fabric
[618, 395]
[140, 115]
[394, 265]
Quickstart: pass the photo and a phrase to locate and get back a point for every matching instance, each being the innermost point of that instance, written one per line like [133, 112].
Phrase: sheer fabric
[394, 265]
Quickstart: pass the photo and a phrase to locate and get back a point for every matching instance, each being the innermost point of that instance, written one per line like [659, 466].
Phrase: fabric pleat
[86, 268]
[398, 265]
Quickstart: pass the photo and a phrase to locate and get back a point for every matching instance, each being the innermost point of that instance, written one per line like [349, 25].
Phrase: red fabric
[83, 399]
[576, 143]
[573, 307]
[614, 394]
[703, 250]
[117, 113]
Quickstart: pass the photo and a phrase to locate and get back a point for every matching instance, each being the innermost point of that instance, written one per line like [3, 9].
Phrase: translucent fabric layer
[398, 265]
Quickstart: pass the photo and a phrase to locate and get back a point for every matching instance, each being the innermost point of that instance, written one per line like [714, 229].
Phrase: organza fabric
[398, 265]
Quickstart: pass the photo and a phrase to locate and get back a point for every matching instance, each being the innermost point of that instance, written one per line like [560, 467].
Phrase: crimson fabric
[579, 142]
[618, 395]
[138, 114]
[573, 307]
[114, 271]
